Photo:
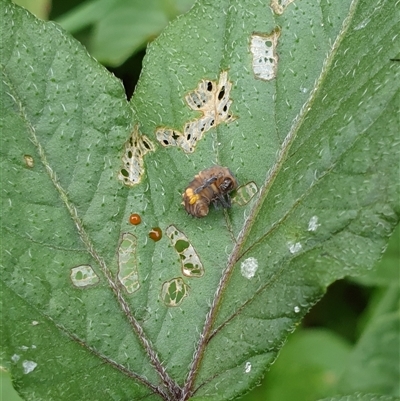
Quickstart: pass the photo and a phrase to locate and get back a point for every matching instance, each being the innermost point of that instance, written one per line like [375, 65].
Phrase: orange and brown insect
[209, 186]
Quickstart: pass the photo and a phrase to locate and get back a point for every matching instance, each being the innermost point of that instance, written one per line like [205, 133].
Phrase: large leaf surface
[319, 141]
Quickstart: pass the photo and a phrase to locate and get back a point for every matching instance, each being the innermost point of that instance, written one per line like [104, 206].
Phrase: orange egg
[155, 234]
[135, 219]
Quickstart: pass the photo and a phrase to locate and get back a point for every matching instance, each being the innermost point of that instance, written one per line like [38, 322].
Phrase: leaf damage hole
[249, 267]
[313, 224]
[132, 160]
[127, 265]
[190, 262]
[83, 276]
[29, 366]
[247, 367]
[279, 6]
[174, 291]
[245, 193]
[29, 161]
[294, 247]
[212, 100]
[265, 58]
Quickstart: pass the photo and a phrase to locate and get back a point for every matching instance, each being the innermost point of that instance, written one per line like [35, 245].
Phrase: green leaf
[121, 27]
[374, 363]
[317, 363]
[387, 271]
[362, 397]
[308, 367]
[7, 391]
[94, 307]
[40, 8]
